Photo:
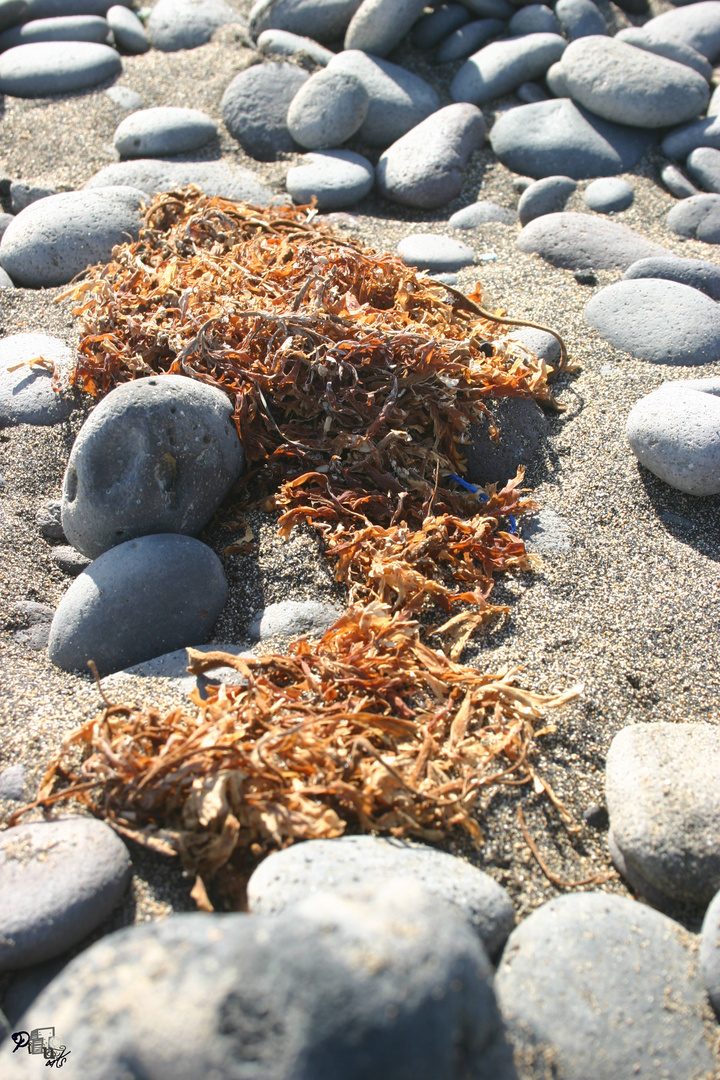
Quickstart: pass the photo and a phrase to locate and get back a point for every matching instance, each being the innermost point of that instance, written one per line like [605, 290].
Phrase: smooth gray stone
[216, 178]
[534, 19]
[559, 137]
[468, 39]
[125, 98]
[665, 830]
[255, 107]
[545, 196]
[48, 519]
[425, 168]
[522, 183]
[26, 985]
[186, 24]
[322, 20]
[539, 342]
[12, 12]
[162, 131]
[5, 280]
[657, 320]
[399, 100]
[677, 182]
[697, 217]
[580, 18]
[67, 28]
[5, 220]
[290, 618]
[327, 110]
[675, 50]
[710, 952]
[627, 85]
[546, 533]
[490, 9]
[337, 179]
[446, 279]
[697, 273]
[387, 983]
[50, 67]
[697, 25]
[585, 983]
[480, 213]
[351, 862]
[608, 195]
[703, 165]
[22, 194]
[530, 93]
[128, 605]
[379, 25]
[683, 140]
[68, 560]
[431, 251]
[522, 426]
[172, 668]
[129, 32]
[52, 9]
[585, 242]
[675, 433]
[499, 68]
[12, 783]
[555, 81]
[714, 107]
[283, 43]
[26, 394]
[56, 238]
[437, 25]
[59, 880]
[157, 455]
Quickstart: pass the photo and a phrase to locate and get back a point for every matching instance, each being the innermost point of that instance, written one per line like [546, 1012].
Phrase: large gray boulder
[499, 68]
[255, 108]
[585, 242]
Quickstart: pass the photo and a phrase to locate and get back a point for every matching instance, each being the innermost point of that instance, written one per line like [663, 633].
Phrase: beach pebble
[48, 519]
[657, 320]
[337, 178]
[560, 137]
[480, 213]
[697, 273]
[545, 196]
[283, 43]
[68, 560]
[5, 220]
[171, 671]
[290, 618]
[12, 12]
[585, 242]
[349, 863]
[677, 182]
[533, 19]
[490, 9]
[255, 107]
[434, 27]
[667, 830]
[387, 983]
[399, 99]
[322, 20]
[31, 622]
[5, 280]
[710, 952]
[431, 251]
[499, 68]
[539, 342]
[425, 167]
[675, 433]
[186, 24]
[703, 165]
[713, 108]
[608, 195]
[49, 67]
[588, 977]
[163, 130]
[379, 25]
[327, 110]
[49, 9]
[26, 394]
[579, 18]
[22, 194]
[696, 25]
[129, 32]
[468, 39]
[675, 50]
[26, 985]
[530, 93]
[62, 28]
[128, 607]
[12, 784]
[56, 238]
[125, 98]
[60, 879]
[546, 533]
[697, 217]
[522, 426]
[627, 85]
[215, 178]
[688, 137]
[157, 455]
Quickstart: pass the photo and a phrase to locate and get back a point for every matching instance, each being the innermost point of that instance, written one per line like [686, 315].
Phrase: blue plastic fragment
[481, 495]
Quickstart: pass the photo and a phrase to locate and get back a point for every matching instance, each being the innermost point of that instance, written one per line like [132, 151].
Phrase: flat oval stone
[56, 238]
[164, 130]
[141, 599]
[499, 68]
[282, 43]
[587, 978]
[12, 12]
[157, 455]
[65, 28]
[348, 863]
[675, 50]
[697, 273]
[215, 178]
[321, 20]
[437, 25]
[128, 31]
[255, 107]
[677, 182]
[533, 19]
[187, 24]
[49, 67]
[660, 321]
[710, 952]
[546, 196]
[480, 213]
[697, 217]
[703, 165]
[379, 25]
[688, 137]
[53, 9]
[431, 251]
[584, 242]
[425, 167]
[125, 98]
[337, 179]
[468, 39]
[26, 394]
[559, 137]
[289, 618]
[696, 25]
[608, 195]
[579, 18]
[58, 881]
[327, 110]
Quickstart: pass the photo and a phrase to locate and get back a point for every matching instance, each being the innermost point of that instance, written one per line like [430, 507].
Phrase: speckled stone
[164, 130]
[26, 394]
[675, 50]
[499, 68]
[546, 196]
[431, 251]
[281, 43]
[327, 110]
[289, 618]
[703, 165]
[322, 20]
[215, 178]
[697, 273]
[698, 217]
[255, 107]
[608, 195]
[336, 178]
[480, 213]
[682, 140]
[186, 24]
[585, 242]
[579, 18]
[379, 25]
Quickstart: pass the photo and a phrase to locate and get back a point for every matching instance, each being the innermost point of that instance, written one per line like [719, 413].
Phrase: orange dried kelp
[369, 728]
